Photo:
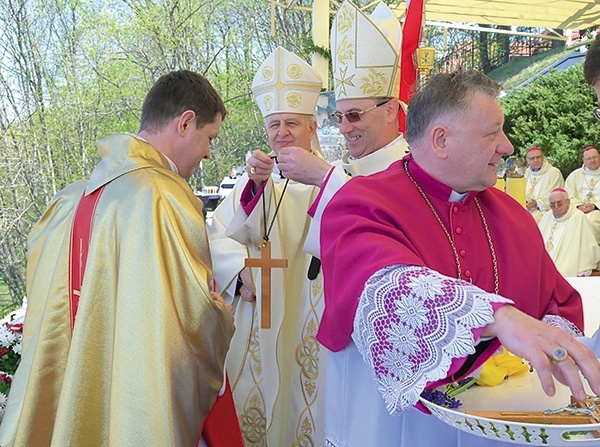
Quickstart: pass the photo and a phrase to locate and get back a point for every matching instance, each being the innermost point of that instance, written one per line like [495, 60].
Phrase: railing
[466, 49]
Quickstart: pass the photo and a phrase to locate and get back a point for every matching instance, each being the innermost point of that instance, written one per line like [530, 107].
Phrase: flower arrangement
[493, 372]
[11, 334]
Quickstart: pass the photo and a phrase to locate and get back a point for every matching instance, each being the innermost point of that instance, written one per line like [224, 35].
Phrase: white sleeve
[336, 180]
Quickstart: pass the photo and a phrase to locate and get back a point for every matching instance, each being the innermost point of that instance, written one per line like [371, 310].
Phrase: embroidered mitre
[284, 83]
[365, 52]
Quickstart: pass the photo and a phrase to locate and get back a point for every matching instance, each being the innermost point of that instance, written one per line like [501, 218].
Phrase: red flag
[411, 35]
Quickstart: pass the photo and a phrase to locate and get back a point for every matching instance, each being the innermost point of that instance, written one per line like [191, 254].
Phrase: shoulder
[380, 183]
[576, 173]
[546, 220]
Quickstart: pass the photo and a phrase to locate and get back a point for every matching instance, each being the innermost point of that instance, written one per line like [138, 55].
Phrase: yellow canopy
[559, 14]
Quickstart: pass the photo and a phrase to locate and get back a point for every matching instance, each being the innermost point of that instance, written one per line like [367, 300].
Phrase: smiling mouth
[352, 139]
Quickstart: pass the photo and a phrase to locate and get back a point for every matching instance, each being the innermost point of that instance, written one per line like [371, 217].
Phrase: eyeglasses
[597, 113]
[556, 204]
[355, 115]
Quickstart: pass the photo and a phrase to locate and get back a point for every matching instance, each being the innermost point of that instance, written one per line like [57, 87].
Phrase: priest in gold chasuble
[144, 361]
[276, 372]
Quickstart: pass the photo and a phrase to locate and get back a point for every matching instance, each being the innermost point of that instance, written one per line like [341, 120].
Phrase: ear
[313, 128]
[186, 120]
[439, 137]
[392, 108]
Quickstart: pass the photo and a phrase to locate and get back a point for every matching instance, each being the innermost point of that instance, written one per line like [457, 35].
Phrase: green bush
[555, 113]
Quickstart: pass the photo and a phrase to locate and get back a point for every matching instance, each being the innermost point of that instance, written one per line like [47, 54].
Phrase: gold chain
[449, 237]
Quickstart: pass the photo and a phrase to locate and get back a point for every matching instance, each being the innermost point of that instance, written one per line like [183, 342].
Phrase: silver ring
[559, 354]
[252, 170]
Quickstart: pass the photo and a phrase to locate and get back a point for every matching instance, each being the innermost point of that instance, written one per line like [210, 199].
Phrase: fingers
[577, 360]
[259, 166]
[540, 343]
[584, 360]
[302, 166]
[247, 294]
[215, 296]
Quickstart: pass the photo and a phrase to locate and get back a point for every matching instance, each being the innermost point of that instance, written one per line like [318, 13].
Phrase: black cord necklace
[269, 227]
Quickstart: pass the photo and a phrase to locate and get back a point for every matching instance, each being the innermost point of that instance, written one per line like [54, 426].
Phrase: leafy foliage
[554, 113]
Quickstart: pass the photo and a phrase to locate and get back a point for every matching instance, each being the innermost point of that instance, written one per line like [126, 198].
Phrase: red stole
[221, 427]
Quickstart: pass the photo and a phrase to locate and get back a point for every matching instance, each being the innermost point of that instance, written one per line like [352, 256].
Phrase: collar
[435, 187]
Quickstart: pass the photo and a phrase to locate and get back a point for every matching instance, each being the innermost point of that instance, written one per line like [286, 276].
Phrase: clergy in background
[569, 237]
[276, 370]
[583, 186]
[542, 179]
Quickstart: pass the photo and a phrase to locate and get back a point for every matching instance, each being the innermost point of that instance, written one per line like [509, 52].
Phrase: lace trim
[410, 324]
[562, 323]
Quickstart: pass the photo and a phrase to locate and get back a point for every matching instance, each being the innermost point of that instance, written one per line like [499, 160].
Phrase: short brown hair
[444, 93]
[178, 91]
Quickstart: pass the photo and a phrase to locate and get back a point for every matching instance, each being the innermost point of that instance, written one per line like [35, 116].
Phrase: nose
[283, 129]
[345, 126]
[505, 147]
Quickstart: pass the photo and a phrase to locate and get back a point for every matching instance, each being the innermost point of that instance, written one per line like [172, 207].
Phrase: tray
[522, 393]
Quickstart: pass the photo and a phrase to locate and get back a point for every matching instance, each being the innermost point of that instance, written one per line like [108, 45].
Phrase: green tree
[555, 113]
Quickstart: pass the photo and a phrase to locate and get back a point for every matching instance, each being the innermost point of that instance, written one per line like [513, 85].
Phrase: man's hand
[587, 207]
[532, 204]
[259, 168]
[302, 166]
[535, 341]
[247, 291]
[219, 298]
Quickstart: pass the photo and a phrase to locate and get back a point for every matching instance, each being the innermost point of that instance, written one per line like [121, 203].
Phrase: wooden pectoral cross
[265, 263]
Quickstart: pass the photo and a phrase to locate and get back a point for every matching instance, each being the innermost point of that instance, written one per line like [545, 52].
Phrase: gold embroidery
[254, 425]
[345, 51]
[293, 100]
[268, 101]
[550, 241]
[344, 20]
[267, 73]
[307, 356]
[294, 71]
[344, 81]
[374, 83]
[530, 195]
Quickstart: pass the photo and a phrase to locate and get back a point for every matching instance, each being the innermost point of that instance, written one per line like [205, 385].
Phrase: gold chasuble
[144, 363]
[277, 374]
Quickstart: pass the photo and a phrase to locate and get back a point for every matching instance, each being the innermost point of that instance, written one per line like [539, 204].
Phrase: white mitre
[284, 83]
[366, 53]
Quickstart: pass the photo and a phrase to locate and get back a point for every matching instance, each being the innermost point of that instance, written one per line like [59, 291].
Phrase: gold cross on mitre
[265, 263]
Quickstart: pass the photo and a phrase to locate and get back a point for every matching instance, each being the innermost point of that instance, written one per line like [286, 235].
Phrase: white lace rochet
[410, 324]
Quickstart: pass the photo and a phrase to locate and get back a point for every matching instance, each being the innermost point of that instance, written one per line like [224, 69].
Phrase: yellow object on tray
[499, 367]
